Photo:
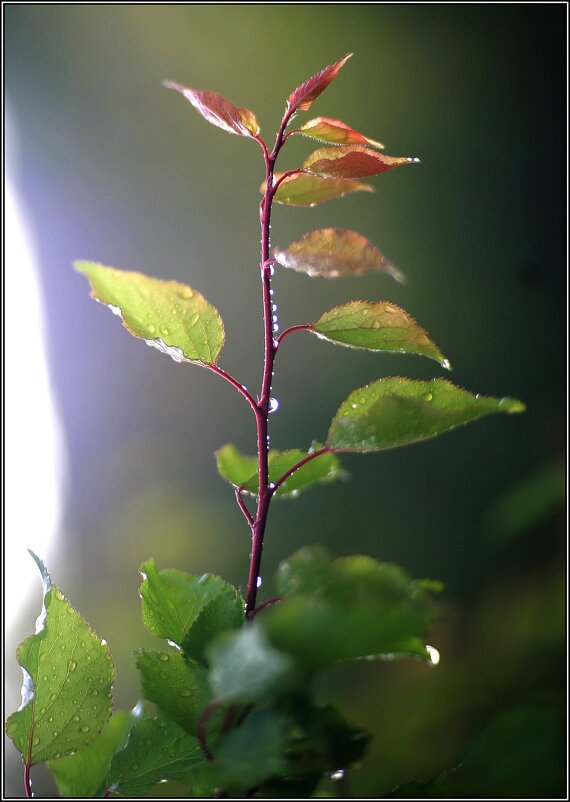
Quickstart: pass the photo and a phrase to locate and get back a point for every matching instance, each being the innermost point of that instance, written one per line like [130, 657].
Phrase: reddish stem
[28, 765]
[308, 458]
[265, 492]
[202, 728]
[241, 503]
[291, 329]
[267, 603]
[234, 382]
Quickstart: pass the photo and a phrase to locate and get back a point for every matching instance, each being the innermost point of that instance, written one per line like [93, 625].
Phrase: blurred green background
[114, 168]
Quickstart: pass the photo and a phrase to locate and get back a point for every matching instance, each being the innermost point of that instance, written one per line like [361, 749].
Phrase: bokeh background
[108, 165]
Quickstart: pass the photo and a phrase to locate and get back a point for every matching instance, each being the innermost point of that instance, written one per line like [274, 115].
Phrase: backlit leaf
[68, 676]
[176, 684]
[325, 129]
[234, 466]
[309, 190]
[219, 111]
[334, 252]
[186, 609]
[166, 314]
[303, 97]
[84, 774]
[351, 161]
[245, 667]
[346, 608]
[380, 326]
[157, 749]
[395, 411]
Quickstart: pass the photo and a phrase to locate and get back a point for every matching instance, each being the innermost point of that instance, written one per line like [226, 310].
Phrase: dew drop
[259, 582]
[94, 692]
[186, 292]
[72, 665]
[163, 657]
[185, 692]
[354, 406]
[295, 493]
[434, 656]
[193, 319]
[84, 728]
[44, 678]
[446, 364]
[36, 741]
[338, 774]
[55, 733]
[103, 642]
[76, 718]
[42, 710]
[274, 307]
[275, 344]
[151, 328]
[273, 405]
[428, 397]
[59, 595]
[271, 271]
[275, 328]
[164, 330]
[376, 324]
[362, 400]
[271, 486]
[274, 318]
[62, 646]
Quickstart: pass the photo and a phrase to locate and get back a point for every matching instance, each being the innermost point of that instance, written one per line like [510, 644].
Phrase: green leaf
[186, 609]
[351, 161]
[394, 412]
[303, 189]
[334, 252]
[346, 608]
[237, 468]
[68, 676]
[241, 470]
[380, 326]
[156, 750]
[84, 774]
[166, 314]
[176, 684]
[245, 667]
[303, 96]
[247, 756]
[219, 111]
[336, 132]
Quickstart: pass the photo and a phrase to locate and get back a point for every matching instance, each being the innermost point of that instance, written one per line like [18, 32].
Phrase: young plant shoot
[226, 706]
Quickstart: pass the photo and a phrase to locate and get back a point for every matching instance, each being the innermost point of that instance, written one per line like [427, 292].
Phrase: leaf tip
[46, 578]
[511, 405]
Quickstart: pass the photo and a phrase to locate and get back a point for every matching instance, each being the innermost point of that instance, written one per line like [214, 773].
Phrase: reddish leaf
[303, 97]
[219, 111]
[308, 190]
[333, 252]
[351, 161]
[336, 132]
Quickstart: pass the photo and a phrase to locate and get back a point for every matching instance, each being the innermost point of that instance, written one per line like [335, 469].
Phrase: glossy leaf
[304, 189]
[219, 111]
[351, 161]
[394, 412]
[157, 749]
[247, 756]
[346, 608]
[176, 684]
[84, 774]
[302, 98]
[234, 466]
[333, 253]
[166, 314]
[186, 609]
[245, 667]
[325, 129]
[68, 676]
[380, 326]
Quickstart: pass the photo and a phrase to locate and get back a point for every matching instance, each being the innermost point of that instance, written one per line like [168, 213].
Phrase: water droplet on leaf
[84, 728]
[163, 657]
[72, 665]
[185, 692]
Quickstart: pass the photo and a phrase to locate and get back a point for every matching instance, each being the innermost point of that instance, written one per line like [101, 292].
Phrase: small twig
[234, 382]
[291, 329]
[202, 725]
[266, 603]
[241, 503]
[282, 178]
[308, 458]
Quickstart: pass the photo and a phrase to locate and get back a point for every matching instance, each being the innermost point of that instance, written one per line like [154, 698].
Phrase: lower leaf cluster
[227, 702]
